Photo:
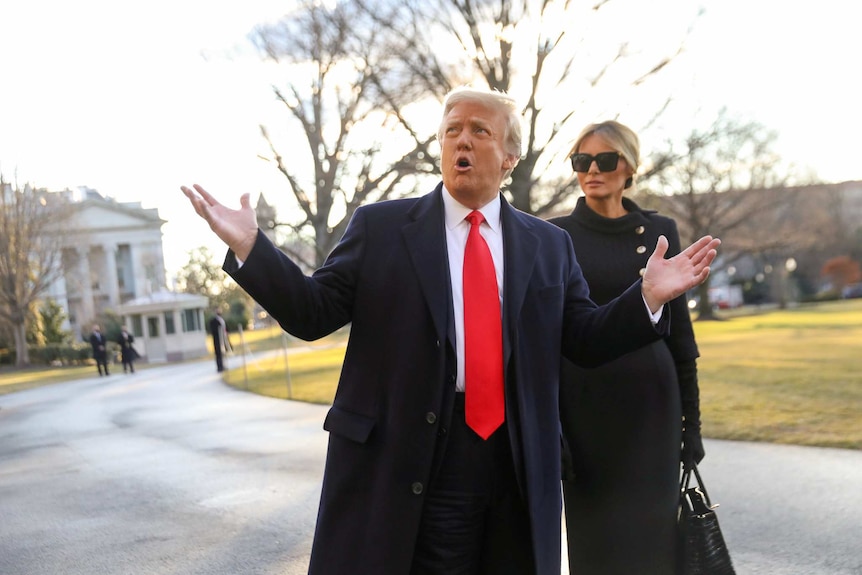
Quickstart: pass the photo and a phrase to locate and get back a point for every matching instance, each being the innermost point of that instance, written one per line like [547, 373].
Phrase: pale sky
[136, 99]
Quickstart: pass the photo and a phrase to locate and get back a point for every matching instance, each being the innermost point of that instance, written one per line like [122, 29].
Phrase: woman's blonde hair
[618, 136]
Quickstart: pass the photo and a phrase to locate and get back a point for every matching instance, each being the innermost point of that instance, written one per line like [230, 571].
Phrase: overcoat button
[641, 272]
[639, 230]
[416, 488]
[641, 249]
[431, 417]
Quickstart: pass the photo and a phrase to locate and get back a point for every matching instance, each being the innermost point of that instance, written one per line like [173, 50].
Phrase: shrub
[61, 354]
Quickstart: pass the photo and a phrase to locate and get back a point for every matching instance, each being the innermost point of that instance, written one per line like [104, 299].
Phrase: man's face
[473, 153]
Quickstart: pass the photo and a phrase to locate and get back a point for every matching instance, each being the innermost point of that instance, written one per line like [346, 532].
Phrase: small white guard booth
[167, 326]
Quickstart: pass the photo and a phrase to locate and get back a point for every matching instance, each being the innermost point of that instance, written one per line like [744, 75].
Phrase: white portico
[112, 253]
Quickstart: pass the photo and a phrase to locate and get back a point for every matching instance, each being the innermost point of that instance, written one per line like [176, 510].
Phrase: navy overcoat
[389, 278]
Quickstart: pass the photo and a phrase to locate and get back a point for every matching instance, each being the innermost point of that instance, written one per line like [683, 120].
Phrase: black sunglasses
[606, 161]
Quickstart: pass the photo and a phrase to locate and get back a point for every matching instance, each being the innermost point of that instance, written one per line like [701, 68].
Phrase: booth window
[169, 323]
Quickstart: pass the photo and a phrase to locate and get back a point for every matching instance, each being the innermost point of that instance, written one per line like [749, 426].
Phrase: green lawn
[787, 376]
[308, 376]
[784, 376]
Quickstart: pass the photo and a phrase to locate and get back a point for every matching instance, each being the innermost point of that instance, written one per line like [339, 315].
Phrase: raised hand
[236, 228]
[666, 279]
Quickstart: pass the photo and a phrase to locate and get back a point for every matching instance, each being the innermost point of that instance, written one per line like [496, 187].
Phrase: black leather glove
[692, 447]
[692, 444]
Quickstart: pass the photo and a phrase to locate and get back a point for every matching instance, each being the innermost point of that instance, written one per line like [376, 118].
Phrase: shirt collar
[455, 212]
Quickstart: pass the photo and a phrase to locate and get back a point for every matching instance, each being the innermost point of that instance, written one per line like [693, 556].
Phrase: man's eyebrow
[481, 122]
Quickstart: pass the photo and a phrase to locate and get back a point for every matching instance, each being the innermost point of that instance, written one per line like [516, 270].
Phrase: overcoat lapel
[520, 245]
[425, 237]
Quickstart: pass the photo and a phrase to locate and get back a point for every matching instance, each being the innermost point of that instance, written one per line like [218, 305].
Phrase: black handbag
[703, 550]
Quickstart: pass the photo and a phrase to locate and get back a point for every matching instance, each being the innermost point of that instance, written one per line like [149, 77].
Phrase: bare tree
[819, 225]
[728, 182]
[345, 90]
[31, 230]
[203, 276]
[361, 74]
[531, 49]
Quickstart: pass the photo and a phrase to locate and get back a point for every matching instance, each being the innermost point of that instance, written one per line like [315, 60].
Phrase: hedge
[59, 354]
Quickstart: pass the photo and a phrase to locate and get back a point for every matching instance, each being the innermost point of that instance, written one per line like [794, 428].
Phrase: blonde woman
[623, 422]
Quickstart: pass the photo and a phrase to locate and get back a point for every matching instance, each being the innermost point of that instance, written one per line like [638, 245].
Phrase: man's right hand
[236, 228]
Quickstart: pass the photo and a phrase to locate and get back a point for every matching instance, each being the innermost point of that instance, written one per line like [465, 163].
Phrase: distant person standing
[221, 344]
[100, 353]
[127, 352]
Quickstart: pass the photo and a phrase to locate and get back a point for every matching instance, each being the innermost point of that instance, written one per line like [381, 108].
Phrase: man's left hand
[666, 279]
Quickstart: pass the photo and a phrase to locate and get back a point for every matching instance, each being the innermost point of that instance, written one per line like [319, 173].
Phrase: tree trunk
[22, 353]
[704, 306]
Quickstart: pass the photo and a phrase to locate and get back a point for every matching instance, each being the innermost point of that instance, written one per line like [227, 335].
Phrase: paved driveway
[168, 471]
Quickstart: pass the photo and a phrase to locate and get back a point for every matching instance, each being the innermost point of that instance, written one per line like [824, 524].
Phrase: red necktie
[483, 335]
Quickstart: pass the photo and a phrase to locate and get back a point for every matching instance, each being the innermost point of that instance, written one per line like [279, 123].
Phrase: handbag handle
[699, 489]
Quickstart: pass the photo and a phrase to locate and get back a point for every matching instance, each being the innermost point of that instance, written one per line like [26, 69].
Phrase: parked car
[851, 291]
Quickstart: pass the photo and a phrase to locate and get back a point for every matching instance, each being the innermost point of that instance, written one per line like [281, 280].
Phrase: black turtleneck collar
[585, 215]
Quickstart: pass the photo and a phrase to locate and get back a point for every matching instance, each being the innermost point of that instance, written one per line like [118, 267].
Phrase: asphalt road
[169, 471]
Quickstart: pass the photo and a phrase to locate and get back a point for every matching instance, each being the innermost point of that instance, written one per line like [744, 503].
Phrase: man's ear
[510, 162]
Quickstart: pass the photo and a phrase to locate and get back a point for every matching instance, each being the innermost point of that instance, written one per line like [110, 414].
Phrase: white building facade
[112, 253]
[112, 256]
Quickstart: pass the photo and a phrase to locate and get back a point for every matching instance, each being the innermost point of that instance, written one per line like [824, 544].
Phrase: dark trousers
[100, 363]
[474, 521]
[218, 353]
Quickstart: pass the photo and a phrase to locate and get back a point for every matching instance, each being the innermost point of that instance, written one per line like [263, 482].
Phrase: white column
[137, 254]
[88, 307]
[111, 280]
[161, 277]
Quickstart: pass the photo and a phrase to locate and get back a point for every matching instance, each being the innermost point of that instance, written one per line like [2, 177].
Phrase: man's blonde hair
[497, 101]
